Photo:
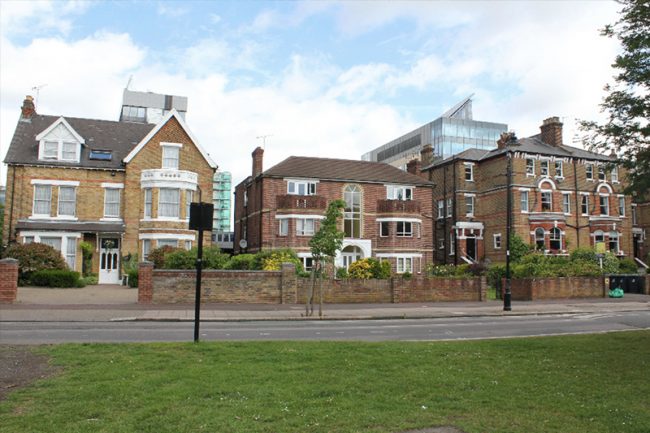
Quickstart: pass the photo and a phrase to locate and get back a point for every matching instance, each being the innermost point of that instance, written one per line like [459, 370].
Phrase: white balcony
[166, 178]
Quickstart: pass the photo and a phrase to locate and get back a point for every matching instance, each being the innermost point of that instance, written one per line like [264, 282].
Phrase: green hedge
[55, 278]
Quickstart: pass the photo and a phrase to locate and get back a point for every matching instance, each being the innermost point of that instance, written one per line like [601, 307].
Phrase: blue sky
[332, 79]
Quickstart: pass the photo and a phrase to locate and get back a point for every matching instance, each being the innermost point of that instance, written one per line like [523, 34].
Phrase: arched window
[556, 239]
[352, 214]
[350, 255]
[540, 244]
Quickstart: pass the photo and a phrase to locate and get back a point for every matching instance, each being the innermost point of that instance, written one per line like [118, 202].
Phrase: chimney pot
[414, 166]
[258, 157]
[552, 131]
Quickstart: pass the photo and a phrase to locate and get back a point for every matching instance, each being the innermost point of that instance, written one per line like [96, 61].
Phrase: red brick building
[562, 198]
[387, 214]
[123, 187]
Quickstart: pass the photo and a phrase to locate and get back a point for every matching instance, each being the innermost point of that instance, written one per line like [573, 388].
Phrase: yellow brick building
[123, 187]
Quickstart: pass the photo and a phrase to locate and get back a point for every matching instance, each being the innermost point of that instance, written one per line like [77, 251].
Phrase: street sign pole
[197, 301]
[200, 220]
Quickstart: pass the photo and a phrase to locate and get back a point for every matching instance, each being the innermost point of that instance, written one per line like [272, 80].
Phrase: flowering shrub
[361, 269]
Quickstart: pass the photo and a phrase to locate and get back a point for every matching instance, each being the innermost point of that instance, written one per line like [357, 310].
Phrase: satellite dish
[243, 243]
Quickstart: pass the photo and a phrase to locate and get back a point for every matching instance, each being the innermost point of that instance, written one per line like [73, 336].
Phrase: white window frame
[615, 238]
[522, 201]
[452, 243]
[530, 167]
[283, 227]
[589, 172]
[552, 239]
[189, 196]
[634, 220]
[73, 201]
[56, 150]
[148, 203]
[399, 192]
[621, 205]
[584, 203]
[172, 242]
[146, 248]
[544, 166]
[614, 174]
[441, 244]
[303, 226]
[559, 174]
[546, 193]
[171, 205]
[470, 166]
[566, 203]
[171, 155]
[294, 187]
[470, 205]
[407, 229]
[601, 172]
[603, 199]
[441, 209]
[404, 264]
[118, 202]
[49, 201]
[383, 224]
[497, 241]
[450, 207]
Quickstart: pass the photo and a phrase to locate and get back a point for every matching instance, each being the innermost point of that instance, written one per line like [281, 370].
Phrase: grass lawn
[586, 383]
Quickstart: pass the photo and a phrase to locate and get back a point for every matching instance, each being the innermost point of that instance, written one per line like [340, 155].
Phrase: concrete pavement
[118, 303]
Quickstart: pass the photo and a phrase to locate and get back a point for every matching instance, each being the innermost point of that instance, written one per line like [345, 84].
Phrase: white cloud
[37, 17]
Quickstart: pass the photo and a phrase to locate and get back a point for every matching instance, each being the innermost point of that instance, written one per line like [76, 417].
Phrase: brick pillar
[9, 280]
[396, 289]
[145, 283]
[647, 285]
[483, 289]
[289, 284]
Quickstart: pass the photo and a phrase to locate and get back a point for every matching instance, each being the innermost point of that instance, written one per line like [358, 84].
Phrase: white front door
[109, 261]
[350, 255]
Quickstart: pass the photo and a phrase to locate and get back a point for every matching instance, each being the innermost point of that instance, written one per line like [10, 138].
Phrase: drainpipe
[454, 217]
[11, 210]
[577, 200]
[444, 201]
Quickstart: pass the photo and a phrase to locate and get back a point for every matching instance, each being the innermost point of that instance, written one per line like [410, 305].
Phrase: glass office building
[221, 197]
[451, 133]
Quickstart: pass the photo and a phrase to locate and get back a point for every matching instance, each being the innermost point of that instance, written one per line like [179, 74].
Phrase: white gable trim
[65, 123]
[168, 116]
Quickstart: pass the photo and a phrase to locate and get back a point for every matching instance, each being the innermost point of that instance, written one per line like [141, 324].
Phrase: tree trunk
[310, 293]
[320, 296]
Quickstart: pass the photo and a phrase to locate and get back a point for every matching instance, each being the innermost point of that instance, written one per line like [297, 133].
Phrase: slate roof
[343, 170]
[532, 145]
[118, 137]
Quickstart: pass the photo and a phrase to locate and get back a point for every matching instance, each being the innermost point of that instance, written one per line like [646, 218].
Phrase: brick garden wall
[531, 289]
[9, 280]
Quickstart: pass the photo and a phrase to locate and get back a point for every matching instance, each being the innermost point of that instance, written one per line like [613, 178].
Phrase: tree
[324, 245]
[627, 129]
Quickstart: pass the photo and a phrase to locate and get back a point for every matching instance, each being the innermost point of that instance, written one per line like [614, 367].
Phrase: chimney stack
[28, 109]
[426, 155]
[414, 166]
[552, 131]
[506, 139]
[258, 156]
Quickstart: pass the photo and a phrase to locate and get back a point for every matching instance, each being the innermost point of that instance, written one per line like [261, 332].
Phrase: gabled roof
[343, 170]
[61, 121]
[118, 137]
[168, 116]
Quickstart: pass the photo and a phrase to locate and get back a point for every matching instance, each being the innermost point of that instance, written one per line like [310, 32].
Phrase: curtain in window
[67, 200]
[53, 242]
[168, 204]
[112, 202]
[42, 196]
[71, 252]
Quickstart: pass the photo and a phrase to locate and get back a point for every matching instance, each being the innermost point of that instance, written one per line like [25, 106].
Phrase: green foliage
[610, 263]
[86, 256]
[451, 271]
[627, 103]
[133, 277]
[342, 273]
[157, 255]
[34, 257]
[361, 269]
[541, 266]
[55, 278]
[518, 248]
[272, 260]
[584, 253]
[213, 258]
[628, 266]
[407, 275]
[440, 270]
[89, 280]
[380, 269]
[328, 239]
[242, 262]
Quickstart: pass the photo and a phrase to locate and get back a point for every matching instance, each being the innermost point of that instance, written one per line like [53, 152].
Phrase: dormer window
[59, 142]
[170, 155]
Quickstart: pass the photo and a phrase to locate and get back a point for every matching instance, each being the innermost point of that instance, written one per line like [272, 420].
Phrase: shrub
[241, 262]
[477, 269]
[518, 248]
[361, 269]
[34, 257]
[628, 266]
[90, 280]
[55, 278]
[272, 260]
[407, 275]
[133, 277]
[462, 270]
[87, 257]
[610, 263]
[180, 259]
[342, 273]
[441, 270]
[494, 275]
[158, 255]
[584, 253]
[380, 269]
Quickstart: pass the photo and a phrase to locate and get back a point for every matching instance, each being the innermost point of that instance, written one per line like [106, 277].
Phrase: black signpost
[200, 219]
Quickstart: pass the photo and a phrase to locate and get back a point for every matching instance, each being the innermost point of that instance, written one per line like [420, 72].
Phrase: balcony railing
[398, 206]
[290, 201]
[168, 178]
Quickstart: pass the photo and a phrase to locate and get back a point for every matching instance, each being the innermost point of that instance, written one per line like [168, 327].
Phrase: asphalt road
[457, 328]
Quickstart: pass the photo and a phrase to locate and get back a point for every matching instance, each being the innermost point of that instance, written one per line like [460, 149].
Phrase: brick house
[562, 198]
[124, 187]
[388, 212]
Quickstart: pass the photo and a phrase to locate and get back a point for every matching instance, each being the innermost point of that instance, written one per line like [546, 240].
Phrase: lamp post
[507, 296]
